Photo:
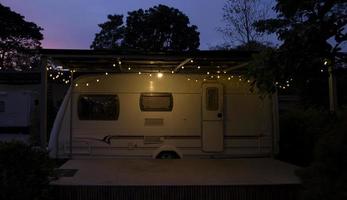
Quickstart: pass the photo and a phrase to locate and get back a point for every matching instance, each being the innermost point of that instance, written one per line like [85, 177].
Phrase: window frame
[156, 94]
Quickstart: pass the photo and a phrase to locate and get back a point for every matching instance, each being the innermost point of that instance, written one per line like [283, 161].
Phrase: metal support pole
[71, 110]
[332, 89]
[43, 103]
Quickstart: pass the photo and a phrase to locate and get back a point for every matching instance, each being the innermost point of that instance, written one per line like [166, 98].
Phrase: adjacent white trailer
[169, 115]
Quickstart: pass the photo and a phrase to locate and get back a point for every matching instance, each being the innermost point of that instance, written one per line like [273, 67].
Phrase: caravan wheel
[168, 155]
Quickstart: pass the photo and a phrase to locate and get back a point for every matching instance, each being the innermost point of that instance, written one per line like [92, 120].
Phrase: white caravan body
[143, 115]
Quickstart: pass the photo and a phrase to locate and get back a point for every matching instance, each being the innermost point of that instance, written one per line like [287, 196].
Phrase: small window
[212, 100]
[98, 107]
[2, 106]
[156, 102]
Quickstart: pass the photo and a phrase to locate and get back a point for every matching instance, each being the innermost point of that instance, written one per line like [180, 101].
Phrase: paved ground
[139, 172]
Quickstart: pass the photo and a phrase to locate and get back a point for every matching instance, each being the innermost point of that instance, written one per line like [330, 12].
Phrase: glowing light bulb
[114, 65]
[208, 73]
[172, 72]
[87, 84]
[160, 75]
[198, 67]
[76, 85]
[129, 68]
[106, 73]
[182, 67]
[191, 60]
[97, 80]
[139, 73]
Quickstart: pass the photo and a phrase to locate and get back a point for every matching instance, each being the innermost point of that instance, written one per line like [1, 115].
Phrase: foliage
[24, 172]
[240, 17]
[326, 177]
[111, 34]
[159, 28]
[312, 32]
[300, 129]
[17, 35]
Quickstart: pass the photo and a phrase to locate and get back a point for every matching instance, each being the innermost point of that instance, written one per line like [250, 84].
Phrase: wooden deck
[249, 179]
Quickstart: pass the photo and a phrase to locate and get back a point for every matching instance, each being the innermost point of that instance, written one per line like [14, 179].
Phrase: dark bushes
[25, 172]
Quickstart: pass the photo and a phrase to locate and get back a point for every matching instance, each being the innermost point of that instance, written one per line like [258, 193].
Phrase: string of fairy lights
[58, 73]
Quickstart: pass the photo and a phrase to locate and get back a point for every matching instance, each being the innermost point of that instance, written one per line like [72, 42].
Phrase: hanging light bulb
[160, 75]
[97, 80]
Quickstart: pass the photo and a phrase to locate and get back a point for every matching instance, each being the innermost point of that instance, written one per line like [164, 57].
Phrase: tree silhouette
[312, 33]
[16, 36]
[111, 34]
[160, 28]
[240, 17]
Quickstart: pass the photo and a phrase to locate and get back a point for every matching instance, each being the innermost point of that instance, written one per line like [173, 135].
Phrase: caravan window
[98, 107]
[212, 98]
[156, 102]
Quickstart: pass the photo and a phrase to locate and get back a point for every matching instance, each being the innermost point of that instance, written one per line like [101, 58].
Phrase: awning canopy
[121, 61]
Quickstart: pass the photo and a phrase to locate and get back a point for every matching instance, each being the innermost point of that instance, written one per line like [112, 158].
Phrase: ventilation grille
[154, 121]
[245, 192]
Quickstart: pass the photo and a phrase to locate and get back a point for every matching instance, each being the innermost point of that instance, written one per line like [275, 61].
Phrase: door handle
[220, 115]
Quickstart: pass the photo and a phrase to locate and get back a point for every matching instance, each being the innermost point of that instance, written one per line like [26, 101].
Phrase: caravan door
[212, 117]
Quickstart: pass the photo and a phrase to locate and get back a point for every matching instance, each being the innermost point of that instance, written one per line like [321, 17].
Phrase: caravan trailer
[164, 115]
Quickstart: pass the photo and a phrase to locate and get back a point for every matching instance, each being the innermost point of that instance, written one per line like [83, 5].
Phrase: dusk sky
[73, 23]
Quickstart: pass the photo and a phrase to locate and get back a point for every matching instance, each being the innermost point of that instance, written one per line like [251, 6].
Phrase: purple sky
[73, 23]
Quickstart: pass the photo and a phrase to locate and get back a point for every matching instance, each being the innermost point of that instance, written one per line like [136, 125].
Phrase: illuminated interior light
[97, 80]
[87, 84]
[160, 75]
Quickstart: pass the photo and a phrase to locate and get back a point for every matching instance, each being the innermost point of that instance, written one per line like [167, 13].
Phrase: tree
[16, 36]
[111, 34]
[312, 33]
[160, 28]
[240, 17]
